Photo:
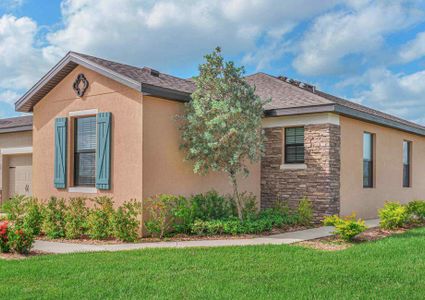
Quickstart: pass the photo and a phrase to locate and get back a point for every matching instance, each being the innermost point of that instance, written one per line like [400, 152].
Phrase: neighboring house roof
[287, 97]
[16, 124]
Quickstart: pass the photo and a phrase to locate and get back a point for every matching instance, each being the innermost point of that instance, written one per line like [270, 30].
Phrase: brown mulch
[176, 238]
[333, 243]
[17, 256]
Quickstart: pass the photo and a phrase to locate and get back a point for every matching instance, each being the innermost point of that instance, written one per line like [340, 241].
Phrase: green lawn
[390, 268]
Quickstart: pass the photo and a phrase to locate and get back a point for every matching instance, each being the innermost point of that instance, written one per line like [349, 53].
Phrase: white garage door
[20, 175]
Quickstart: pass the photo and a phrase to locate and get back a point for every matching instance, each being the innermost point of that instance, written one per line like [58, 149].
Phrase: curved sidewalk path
[277, 239]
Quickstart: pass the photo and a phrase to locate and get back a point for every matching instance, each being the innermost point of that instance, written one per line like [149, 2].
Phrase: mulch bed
[176, 238]
[333, 243]
[17, 256]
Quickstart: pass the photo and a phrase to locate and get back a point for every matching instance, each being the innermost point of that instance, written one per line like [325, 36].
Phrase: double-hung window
[85, 151]
[368, 160]
[406, 163]
[294, 145]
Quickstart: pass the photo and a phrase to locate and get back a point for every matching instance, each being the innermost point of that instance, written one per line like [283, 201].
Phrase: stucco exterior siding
[164, 168]
[105, 95]
[10, 140]
[388, 168]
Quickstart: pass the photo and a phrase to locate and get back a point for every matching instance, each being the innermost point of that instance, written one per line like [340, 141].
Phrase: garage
[16, 156]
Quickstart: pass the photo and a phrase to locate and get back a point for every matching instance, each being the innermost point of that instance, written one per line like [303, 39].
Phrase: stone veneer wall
[320, 181]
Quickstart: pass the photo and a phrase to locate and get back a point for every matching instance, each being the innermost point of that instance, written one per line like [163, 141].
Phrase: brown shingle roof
[143, 75]
[23, 123]
[286, 98]
[282, 94]
[285, 95]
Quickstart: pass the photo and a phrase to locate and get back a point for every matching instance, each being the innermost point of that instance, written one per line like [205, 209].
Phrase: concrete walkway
[277, 239]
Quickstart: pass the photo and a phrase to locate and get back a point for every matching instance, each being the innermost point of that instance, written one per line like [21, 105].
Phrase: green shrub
[277, 218]
[250, 207]
[161, 210]
[212, 206]
[331, 220]
[416, 211]
[348, 228]
[99, 220]
[33, 216]
[4, 237]
[20, 239]
[54, 218]
[393, 215]
[126, 222]
[280, 206]
[182, 215]
[76, 218]
[305, 212]
[25, 212]
[265, 221]
[14, 207]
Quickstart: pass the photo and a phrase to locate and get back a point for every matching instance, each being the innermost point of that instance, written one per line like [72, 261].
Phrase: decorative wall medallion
[80, 85]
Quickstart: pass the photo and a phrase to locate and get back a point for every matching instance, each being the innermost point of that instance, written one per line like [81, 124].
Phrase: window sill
[82, 189]
[293, 167]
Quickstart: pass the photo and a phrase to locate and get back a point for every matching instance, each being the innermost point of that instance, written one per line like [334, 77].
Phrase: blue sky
[372, 52]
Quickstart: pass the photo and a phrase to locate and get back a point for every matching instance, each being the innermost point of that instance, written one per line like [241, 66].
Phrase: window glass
[406, 163]
[367, 159]
[85, 151]
[294, 145]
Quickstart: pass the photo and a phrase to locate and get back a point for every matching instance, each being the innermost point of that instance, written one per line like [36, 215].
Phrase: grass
[392, 268]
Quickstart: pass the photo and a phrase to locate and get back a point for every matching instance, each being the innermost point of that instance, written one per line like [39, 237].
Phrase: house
[16, 156]
[105, 128]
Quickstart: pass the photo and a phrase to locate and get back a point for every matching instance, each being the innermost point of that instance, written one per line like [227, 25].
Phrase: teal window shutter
[60, 152]
[103, 151]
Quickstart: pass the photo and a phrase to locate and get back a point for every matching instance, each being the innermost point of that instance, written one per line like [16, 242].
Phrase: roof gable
[144, 80]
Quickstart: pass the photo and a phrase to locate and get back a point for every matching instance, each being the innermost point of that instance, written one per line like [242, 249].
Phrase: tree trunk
[236, 195]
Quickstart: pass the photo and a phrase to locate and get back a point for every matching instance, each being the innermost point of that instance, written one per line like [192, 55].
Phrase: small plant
[33, 217]
[99, 220]
[4, 237]
[54, 218]
[212, 206]
[125, 221]
[393, 215]
[416, 211]
[182, 213]
[249, 206]
[305, 212]
[161, 217]
[20, 239]
[14, 207]
[76, 218]
[348, 228]
[331, 220]
[281, 207]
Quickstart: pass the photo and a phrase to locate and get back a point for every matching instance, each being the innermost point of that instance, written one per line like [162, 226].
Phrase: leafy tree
[221, 128]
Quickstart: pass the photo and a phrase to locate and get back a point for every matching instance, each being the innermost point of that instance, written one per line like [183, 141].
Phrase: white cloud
[398, 94]
[20, 62]
[414, 49]
[11, 4]
[334, 37]
[169, 34]
[9, 97]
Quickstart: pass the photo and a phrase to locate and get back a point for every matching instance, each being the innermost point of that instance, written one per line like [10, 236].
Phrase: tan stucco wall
[388, 168]
[11, 140]
[103, 94]
[164, 170]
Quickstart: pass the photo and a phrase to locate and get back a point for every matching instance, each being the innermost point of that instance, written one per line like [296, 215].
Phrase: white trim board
[299, 120]
[79, 113]
[82, 189]
[18, 150]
